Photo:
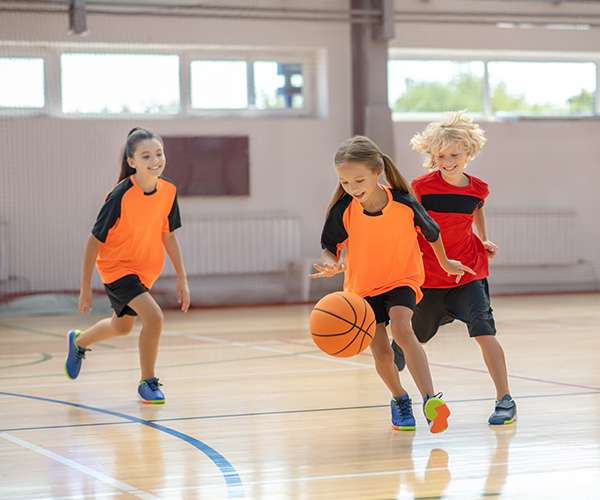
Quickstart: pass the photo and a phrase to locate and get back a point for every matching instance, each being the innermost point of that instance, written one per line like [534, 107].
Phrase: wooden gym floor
[255, 411]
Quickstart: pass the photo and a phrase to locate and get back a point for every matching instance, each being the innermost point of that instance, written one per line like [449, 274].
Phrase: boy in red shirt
[455, 201]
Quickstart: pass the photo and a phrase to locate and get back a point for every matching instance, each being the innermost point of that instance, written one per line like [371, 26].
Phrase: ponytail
[338, 194]
[393, 176]
[126, 169]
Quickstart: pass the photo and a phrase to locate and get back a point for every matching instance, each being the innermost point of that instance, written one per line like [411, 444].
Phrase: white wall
[55, 172]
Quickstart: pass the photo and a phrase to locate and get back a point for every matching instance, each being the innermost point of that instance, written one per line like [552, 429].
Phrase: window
[120, 83]
[486, 83]
[219, 84]
[540, 88]
[435, 86]
[99, 79]
[21, 82]
[278, 85]
[241, 85]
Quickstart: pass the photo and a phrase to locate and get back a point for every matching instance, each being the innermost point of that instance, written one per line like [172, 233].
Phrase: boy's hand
[491, 249]
[183, 294]
[455, 267]
[328, 270]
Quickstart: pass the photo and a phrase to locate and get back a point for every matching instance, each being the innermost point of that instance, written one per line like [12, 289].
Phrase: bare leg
[152, 322]
[106, 329]
[493, 355]
[384, 361]
[416, 359]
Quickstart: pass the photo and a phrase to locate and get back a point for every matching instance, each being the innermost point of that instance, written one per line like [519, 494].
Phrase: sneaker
[402, 415]
[505, 411]
[74, 356]
[149, 391]
[436, 413]
[398, 356]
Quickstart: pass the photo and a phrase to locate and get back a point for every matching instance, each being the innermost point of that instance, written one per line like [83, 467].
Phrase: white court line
[331, 359]
[81, 468]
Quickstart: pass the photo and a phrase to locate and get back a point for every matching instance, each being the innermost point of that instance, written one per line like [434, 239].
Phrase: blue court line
[235, 488]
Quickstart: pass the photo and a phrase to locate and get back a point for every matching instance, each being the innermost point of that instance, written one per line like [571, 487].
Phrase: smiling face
[451, 161]
[148, 159]
[360, 182]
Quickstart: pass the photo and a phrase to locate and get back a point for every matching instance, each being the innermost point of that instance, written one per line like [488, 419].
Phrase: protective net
[75, 77]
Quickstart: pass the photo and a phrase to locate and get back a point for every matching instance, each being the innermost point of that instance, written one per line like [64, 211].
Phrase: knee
[403, 334]
[383, 356]
[121, 329]
[154, 318]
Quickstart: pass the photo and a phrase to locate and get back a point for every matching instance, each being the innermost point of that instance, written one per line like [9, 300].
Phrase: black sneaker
[505, 411]
[398, 356]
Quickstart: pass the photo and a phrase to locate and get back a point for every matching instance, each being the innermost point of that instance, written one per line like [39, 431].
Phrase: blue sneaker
[436, 413]
[402, 415]
[149, 391]
[75, 355]
[505, 411]
[399, 360]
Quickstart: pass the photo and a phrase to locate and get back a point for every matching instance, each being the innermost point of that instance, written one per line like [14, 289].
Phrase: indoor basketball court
[252, 99]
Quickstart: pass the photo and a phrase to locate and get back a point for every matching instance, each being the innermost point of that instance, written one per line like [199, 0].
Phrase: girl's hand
[455, 267]
[328, 270]
[491, 249]
[183, 294]
[85, 300]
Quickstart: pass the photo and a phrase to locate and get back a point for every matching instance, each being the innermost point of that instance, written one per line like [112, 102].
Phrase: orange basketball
[342, 324]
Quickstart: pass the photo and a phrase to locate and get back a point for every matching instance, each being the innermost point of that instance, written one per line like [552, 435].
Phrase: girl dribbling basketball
[377, 225]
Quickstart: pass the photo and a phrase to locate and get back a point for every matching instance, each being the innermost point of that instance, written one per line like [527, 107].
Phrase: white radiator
[237, 244]
[534, 238]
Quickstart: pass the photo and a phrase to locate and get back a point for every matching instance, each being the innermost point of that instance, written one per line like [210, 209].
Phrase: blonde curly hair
[437, 136]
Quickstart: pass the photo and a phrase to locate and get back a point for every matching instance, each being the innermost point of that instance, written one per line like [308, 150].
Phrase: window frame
[487, 56]
[51, 53]
[20, 52]
[304, 58]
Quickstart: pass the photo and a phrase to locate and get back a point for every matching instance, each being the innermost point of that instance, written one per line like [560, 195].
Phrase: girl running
[135, 225]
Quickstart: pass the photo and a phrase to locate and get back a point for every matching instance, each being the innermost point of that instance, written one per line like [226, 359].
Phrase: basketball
[342, 324]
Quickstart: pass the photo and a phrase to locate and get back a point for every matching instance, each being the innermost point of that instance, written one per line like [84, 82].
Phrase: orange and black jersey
[382, 251]
[130, 226]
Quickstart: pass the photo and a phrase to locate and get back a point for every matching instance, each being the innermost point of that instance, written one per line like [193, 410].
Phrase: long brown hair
[361, 149]
[135, 136]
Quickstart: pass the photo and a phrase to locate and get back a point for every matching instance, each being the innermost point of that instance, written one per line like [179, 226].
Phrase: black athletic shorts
[469, 303]
[381, 304]
[122, 292]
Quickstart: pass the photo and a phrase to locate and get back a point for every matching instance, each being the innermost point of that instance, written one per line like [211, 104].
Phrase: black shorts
[469, 303]
[381, 304]
[122, 292]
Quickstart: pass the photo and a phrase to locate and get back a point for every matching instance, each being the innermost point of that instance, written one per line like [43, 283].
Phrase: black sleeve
[174, 216]
[429, 228]
[109, 214]
[334, 231]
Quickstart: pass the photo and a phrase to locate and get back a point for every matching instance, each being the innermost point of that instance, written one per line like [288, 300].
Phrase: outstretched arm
[90, 253]
[174, 252]
[481, 227]
[452, 267]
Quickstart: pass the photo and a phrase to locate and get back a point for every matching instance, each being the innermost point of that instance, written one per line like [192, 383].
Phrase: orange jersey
[382, 251]
[130, 226]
